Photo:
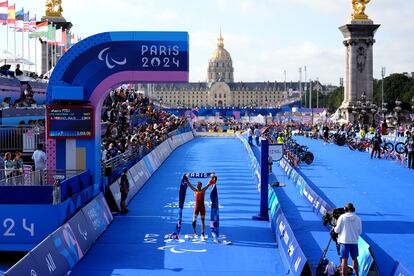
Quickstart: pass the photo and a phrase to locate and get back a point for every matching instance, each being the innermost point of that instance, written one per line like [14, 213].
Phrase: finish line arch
[89, 70]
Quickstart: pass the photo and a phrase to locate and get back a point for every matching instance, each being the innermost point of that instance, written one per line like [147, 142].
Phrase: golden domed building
[220, 90]
[220, 65]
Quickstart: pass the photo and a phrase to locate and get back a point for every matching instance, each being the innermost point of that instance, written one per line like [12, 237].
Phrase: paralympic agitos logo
[152, 57]
[110, 62]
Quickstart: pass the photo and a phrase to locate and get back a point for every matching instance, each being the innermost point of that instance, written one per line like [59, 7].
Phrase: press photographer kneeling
[348, 228]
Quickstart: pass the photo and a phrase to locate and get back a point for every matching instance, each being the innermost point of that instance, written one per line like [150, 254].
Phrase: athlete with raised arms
[200, 207]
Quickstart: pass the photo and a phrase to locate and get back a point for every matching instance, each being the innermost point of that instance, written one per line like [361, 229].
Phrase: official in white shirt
[39, 158]
[348, 228]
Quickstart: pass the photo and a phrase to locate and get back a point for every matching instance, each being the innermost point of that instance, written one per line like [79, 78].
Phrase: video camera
[332, 217]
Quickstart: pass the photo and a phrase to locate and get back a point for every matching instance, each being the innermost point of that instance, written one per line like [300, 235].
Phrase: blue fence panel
[64, 248]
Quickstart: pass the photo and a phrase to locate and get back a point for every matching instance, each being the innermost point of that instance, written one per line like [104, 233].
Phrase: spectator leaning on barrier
[18, 164]
[8, 165]
[349, 228]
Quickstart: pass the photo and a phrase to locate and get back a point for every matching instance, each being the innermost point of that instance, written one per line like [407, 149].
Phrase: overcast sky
[264, 37]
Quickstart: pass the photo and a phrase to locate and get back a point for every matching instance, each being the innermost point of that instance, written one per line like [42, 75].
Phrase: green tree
[396, 86]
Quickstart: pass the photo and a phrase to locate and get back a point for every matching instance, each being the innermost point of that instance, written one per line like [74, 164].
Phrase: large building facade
[220, 90]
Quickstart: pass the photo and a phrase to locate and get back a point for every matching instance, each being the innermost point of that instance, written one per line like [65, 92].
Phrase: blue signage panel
[67, 245]
[46, 257]
[276, 151]
[288, 245]
[97, 215]
[106, 54]
[27, 266]
[82, 231]
[18, 226]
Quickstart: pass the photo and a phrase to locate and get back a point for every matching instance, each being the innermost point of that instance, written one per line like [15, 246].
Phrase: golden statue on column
[359, 9]
[54, 8]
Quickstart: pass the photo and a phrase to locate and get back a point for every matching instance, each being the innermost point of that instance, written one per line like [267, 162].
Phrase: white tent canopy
[8, 58]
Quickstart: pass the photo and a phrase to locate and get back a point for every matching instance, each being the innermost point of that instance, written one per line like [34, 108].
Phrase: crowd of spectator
[132, 122]
[26, 99]
[12, 165]
[18, 73]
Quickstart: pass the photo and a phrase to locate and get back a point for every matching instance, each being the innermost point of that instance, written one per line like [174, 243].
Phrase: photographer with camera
[348, 228]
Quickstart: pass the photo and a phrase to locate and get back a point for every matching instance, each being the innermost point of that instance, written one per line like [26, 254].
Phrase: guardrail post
[264, 182]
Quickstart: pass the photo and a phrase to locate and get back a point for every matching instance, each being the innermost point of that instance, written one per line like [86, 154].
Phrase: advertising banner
[97, 215]
[27, 266]
[116, 193]
[289, 248]
[64, 248]
[82, 231]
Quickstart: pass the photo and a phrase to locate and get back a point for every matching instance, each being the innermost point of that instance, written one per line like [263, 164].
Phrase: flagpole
[47, 57]
[35, 42]
[7, 36]
[53, 56]
[15, 51]
[28, 50]
[23, 46]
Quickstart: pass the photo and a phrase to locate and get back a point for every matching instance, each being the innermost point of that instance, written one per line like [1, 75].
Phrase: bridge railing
[21, 138]
[27, 177]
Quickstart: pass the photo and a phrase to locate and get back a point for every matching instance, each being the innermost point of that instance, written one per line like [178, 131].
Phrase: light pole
[317, 93]
[382, 86]
[310, 94]
[306, 86]
[397, 110]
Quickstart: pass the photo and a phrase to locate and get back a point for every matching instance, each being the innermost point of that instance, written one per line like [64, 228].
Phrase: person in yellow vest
[362, 133]
[280, 139]
[371, 129]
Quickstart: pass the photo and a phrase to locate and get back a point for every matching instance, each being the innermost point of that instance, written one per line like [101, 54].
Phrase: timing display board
[67, 122]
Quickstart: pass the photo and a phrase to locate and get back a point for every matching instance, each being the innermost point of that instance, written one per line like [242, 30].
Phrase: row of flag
[21, 22]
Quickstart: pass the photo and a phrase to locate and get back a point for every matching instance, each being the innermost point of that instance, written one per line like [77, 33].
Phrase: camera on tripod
[333, 216]
[325, 265]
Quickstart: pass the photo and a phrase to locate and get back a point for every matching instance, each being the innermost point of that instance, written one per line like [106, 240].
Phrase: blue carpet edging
[291, 253]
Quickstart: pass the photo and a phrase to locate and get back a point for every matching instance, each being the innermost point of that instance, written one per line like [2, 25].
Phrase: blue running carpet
[135, 245]
[382, 192]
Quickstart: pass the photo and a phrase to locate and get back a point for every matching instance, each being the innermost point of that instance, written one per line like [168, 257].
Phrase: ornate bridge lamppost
[364, 110]
[397, 110]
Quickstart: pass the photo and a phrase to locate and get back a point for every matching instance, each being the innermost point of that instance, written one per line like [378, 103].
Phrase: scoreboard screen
[70, 122]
